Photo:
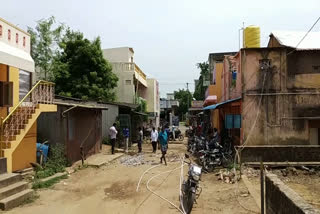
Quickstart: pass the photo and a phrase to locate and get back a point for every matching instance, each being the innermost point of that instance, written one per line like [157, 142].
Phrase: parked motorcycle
[178, 135]
[191, 189]
[215, 156]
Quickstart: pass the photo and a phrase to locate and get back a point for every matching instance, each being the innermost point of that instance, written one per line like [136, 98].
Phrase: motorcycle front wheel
[189, 201]
[181, 137]
[207, 167]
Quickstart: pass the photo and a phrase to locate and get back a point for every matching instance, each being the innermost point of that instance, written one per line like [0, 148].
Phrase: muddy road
[111, 189]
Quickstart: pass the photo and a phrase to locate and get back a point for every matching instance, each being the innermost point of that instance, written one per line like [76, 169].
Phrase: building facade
[132, 82]
[281, 91]
[20, 102]
[153, 102]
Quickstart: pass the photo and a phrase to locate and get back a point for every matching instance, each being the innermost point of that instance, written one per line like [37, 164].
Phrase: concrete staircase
[13, 191]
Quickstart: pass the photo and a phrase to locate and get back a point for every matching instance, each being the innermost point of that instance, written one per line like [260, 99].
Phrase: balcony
[138, 73]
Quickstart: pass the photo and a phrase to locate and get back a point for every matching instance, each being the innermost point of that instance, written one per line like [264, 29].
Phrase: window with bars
[17, 38]
[0, 30]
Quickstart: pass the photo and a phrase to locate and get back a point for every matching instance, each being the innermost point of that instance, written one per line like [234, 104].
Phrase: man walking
[126, 135]
[113, 135]
[140, 139]
[154, 139]
[163, 138]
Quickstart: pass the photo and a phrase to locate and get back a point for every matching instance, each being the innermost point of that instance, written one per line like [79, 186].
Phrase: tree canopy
[200, 88]
[184, 97]
[73, 62]
[45, 39]
[81, 71]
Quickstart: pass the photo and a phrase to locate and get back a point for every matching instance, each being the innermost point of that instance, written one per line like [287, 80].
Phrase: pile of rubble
[227, 176]
[134, 160]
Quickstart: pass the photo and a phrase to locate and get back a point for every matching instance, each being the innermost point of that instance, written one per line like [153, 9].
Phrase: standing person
[158, 138]
[140, 139]
[163, 138]
[154, 139]
[113, 135]
[126, 135]
[174, 132]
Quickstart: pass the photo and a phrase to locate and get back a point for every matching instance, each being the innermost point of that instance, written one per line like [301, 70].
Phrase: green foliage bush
[56, 162]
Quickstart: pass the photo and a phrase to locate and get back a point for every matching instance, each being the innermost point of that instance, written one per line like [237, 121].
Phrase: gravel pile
[134, 160]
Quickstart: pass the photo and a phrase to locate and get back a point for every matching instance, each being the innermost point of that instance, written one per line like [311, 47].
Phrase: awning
[220, 104]
[210, 100]
[140, 113]
[195, 109]
[16, 57]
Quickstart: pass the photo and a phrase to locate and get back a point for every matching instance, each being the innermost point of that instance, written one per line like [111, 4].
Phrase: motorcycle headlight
[195, 176]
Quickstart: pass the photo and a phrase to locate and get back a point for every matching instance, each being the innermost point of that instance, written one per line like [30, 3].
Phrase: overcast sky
[168, 36]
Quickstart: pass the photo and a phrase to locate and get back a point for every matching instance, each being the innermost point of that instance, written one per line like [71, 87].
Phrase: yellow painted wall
[14, 77]
[3, 77]
[26, 150]
[216, 90]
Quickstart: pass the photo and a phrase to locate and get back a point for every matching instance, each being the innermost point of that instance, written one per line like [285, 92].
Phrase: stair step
[8, 179]
[30, 169]
[25, 173]
[15, 200]
[13, 189]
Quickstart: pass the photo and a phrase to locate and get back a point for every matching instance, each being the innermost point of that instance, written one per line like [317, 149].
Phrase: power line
[308, 31]
[306, 34]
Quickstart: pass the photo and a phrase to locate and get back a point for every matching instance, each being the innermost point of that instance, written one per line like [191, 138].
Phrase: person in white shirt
[154, 139]
[113, 136]
[140, 139]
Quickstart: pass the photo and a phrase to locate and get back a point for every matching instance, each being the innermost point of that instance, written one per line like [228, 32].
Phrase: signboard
[197, 104]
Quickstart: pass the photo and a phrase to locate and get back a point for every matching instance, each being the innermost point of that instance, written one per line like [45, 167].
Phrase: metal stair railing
[41, 93]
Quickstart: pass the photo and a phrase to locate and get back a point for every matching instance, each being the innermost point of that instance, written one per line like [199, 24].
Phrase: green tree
[44, 46]
[200, 89]
[184, 97]
[81, 71]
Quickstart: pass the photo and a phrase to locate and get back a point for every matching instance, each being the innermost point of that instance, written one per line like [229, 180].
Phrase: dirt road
[112, 189]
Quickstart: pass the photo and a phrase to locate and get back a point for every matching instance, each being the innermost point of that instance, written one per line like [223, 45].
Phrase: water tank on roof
[251, 37]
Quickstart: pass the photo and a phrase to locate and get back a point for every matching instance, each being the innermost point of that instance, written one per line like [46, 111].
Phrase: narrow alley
[112, 189]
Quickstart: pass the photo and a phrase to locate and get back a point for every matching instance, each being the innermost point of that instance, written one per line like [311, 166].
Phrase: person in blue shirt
[163, 138]
[126, 135]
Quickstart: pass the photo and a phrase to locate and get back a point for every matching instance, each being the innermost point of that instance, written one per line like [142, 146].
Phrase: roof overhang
[82, 104]
[15, 57]
[210, 100]
[140, 79]
[215, 106]
[195, 109]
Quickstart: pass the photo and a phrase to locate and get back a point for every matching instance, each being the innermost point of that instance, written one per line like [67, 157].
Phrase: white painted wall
[124, 90]
[122, 54]
[14, 30]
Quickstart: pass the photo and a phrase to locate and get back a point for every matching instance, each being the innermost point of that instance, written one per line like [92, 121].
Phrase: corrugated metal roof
[219, 104]
[292, 39]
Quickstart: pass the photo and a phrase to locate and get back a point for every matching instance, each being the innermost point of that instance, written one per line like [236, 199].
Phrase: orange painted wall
[216, 90]
[14, 77]
[26, 151]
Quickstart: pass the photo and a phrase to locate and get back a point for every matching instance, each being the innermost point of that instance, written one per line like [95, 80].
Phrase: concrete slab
[101, 159]
[57, 175]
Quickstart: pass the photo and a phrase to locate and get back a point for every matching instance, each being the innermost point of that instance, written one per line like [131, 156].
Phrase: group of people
[160, 138]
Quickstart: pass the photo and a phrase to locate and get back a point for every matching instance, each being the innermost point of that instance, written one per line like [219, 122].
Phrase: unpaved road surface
[111, 189]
